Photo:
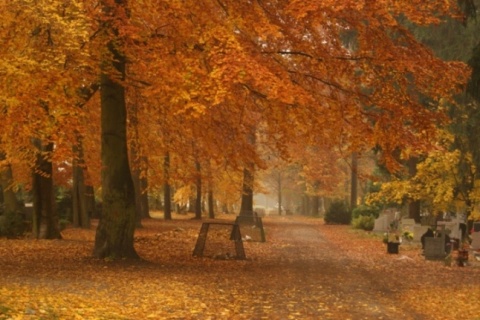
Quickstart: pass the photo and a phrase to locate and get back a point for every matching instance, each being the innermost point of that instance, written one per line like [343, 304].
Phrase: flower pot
[392, 247]
[462, 258]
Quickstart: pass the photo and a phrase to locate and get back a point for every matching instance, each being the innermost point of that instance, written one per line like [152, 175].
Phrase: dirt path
[337, 284]
[305, 270]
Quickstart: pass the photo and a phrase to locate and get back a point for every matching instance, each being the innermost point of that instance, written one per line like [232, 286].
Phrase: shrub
[364, 210]
[338, 212]
[11, 224]
[364, 222]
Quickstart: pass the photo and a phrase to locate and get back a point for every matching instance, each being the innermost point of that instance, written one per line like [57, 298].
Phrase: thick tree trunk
[473, 87]
[167, 195]
[114, 236]
[45, 219]
[246, 207]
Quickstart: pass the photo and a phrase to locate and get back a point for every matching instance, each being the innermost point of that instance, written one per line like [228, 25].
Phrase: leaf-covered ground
[305, 270]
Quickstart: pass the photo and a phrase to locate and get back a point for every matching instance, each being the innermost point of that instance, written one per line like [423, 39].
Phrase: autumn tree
[47, 43]
[114, 237]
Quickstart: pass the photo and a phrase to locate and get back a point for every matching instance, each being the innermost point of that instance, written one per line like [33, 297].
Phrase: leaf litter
[305, 270]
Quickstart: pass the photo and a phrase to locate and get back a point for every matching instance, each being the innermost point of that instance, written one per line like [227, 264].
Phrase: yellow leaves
[434, 183]
[193, 109]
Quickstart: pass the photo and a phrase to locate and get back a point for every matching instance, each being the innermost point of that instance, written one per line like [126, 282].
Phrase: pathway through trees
[305, 270]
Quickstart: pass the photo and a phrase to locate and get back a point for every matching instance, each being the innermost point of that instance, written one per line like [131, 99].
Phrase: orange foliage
[202, 74]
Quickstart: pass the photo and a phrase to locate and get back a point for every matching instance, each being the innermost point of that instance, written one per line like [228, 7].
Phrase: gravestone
[454, 228]
[407, 225]
[382, 223]
[435, 246]
[475, 245]
[418, 232]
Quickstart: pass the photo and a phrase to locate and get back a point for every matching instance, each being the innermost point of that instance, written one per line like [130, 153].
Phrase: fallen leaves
[305, 270]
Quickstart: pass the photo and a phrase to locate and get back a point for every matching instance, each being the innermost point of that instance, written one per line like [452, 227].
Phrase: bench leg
[202, 238]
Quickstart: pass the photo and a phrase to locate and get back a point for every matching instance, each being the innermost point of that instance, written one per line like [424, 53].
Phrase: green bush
[364, 222]
[364, 210]
[338, 213]
[11, 224]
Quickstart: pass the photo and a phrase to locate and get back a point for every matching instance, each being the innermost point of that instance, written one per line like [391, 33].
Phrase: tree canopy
[202, 77]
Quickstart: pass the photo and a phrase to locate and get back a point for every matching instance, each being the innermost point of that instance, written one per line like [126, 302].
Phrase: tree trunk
[144, 204]
[167, 196]
[211, 204]
[81, 215]
[305, 205]
[316, 205]
[114, 235]
[10, 203]
[141, 195]
[45, 219]
[139, 165]
[413, 205]
[279, 193]
[90, 201]
[198, 198]
[138, 193]
[246, 207]
[473, 87]
[354, 182]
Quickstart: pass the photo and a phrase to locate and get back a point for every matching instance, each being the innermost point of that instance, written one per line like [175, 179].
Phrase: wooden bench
[235, 236]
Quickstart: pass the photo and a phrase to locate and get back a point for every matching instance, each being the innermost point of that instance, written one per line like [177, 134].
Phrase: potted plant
[392, 238]
[407, 236]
